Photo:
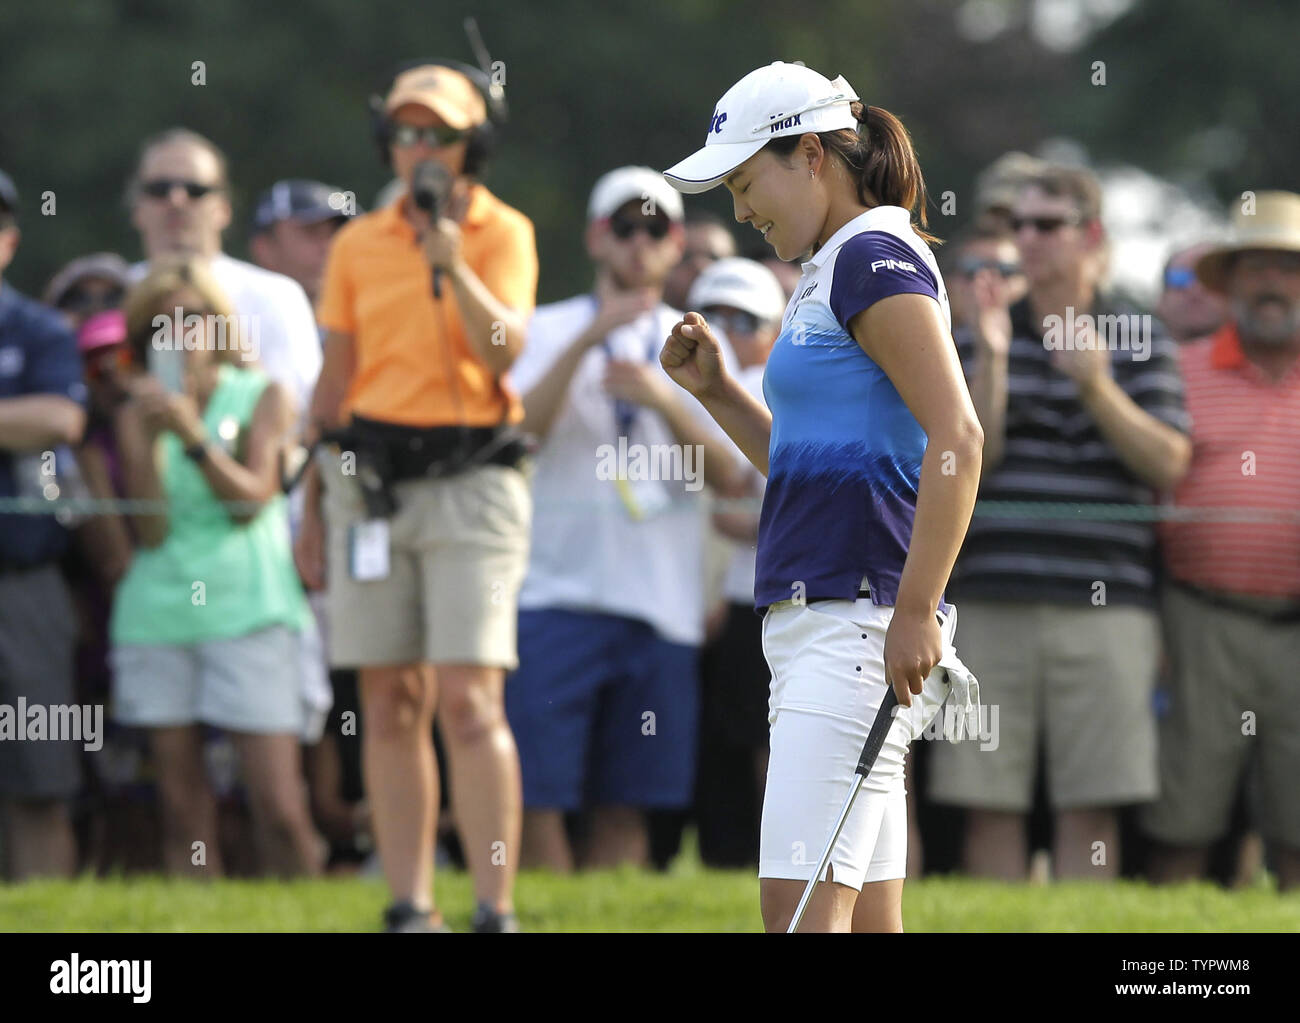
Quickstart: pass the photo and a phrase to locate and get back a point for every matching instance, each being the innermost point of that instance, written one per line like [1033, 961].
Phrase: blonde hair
[168, 275]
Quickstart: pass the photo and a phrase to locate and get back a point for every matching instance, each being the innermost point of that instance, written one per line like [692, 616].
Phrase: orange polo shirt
[1237, 412]
[378, 288]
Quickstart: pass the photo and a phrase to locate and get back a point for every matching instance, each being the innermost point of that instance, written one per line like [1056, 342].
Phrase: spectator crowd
[373, 565]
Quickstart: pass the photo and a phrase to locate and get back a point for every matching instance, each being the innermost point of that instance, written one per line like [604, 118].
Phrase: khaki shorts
[1080, 680]
[458, 550]
[1225, 665]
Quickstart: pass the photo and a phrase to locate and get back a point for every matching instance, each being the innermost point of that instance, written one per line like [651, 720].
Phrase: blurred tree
[1194, 89]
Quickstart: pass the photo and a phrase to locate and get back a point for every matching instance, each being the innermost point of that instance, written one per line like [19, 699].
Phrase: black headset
[482, 137]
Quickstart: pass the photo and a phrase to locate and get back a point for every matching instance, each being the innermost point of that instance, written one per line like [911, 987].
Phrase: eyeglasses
[161, 188]
[970, 267]
[1043, 225]
[735, 321]
[1179, 278]
[79, 301]
[435, 137]
[656, 227]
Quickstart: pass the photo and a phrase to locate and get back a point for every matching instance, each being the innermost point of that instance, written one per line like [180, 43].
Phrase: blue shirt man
[41, 395]
[38, 356]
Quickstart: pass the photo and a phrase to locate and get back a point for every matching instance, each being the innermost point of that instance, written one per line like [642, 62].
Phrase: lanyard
[625, 412]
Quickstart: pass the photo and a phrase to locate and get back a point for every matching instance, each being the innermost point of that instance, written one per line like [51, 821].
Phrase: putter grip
[879, 729]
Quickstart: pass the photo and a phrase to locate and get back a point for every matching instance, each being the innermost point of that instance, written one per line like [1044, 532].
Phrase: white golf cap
[742, 283]
[780, 99]
[627, 183]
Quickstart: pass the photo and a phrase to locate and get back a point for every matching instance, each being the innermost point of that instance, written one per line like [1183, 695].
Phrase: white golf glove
[964, 692]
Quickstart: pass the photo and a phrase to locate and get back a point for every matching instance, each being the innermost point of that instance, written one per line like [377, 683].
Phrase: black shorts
[736, 680]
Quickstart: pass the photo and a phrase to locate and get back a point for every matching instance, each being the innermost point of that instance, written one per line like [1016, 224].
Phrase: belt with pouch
[389, 453]
[437, 451]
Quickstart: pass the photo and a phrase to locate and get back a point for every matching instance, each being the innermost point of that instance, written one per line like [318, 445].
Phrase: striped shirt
[1054, 452]
[1244, 455]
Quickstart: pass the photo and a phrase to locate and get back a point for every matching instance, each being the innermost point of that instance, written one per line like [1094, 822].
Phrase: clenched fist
[692, 357]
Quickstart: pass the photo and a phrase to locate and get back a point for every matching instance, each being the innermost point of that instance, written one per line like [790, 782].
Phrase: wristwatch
[198, 452]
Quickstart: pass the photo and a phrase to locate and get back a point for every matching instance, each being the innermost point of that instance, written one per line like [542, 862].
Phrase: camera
[431, 187]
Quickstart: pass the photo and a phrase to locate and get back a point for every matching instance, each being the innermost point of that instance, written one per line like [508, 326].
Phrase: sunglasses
[1043, 225]
[102, 361]
[737, 321]
[77, 301]
[1179, 278]
[970, 267]
[435, 137]
[161, 188]
[656, 227]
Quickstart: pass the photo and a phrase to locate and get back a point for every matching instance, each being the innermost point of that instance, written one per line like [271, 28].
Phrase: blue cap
[308, 202]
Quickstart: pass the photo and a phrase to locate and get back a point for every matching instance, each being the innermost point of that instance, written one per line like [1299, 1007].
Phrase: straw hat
[1274, 224]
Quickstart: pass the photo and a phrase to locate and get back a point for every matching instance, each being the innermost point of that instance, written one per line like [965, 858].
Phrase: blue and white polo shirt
[845, 456]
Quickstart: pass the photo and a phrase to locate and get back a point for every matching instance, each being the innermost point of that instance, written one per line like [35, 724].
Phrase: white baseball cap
[628, 183]
[743, 283]
[780, 99]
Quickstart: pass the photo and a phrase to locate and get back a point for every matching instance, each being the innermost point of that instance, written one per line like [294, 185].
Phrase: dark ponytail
[879, 157]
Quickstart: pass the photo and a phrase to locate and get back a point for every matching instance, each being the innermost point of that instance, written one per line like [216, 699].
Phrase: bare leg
[40, 839]
[618, 835]
[545, 842]
[830, 910]
[277, 792]
[486, 786]
[1087, 845]
[401, 775]
[1250, 859]
[879, 909]
[994, 846]
[332, 814]
[915, 854]
[1288, 867]
[189, 809]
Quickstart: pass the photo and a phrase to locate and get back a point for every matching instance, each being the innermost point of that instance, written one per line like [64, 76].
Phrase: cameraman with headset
[426, 508]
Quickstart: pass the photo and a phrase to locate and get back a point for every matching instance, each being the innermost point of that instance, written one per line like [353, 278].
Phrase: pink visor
[107, 328]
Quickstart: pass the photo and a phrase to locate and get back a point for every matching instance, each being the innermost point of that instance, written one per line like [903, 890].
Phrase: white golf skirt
[828, 680]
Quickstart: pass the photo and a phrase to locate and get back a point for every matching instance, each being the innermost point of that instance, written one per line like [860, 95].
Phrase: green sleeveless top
[212, 577]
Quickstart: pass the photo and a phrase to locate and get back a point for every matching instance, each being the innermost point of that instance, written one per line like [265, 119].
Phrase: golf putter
[870, 750]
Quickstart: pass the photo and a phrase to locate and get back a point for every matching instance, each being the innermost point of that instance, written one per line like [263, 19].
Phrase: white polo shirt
[588, 553]
[289, 347]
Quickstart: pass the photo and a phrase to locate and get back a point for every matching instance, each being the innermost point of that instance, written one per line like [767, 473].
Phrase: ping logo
[788, 122]
[893, 264]
[715, 123]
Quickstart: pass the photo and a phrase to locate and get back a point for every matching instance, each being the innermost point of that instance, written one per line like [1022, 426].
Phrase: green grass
[688, 898]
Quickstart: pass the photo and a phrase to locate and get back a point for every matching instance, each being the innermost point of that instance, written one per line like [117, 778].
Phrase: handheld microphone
[431, 188]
